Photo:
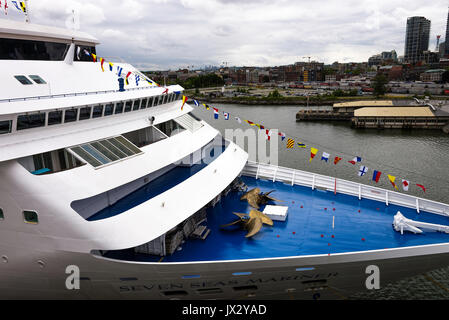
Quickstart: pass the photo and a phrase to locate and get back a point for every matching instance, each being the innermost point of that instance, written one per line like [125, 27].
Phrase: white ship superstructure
[131, 188]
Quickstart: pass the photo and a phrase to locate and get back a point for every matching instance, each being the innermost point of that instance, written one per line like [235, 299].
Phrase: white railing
[73, 94]
[313, 180]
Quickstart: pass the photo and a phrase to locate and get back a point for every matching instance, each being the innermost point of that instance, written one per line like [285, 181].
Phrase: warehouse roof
[394, 112]
[364, 103]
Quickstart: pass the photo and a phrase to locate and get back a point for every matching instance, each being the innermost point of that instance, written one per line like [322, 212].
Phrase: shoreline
[289, 101]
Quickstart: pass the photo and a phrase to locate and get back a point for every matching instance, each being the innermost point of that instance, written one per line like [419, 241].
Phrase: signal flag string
[292, 141]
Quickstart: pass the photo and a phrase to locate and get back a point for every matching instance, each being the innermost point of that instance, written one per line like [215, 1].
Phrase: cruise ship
[118, 191]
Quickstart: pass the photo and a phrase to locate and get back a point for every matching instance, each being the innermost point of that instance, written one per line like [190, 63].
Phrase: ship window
[136, 105]
[30, 217]
[85, 113]
[119, 108]
[70, 115]
[128, 106]
[23, 80]
[98, 111]
[109, 109]
[37, 79]
[54, 117]
[5, 126]
[28, 121]
[150, 102]
[86, 156]
[80, 54]
[160, 100]
[105, 151]
[143, 105]
[2, 216]
[15, 49]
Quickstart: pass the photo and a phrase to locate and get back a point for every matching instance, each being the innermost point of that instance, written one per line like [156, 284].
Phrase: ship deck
[318, 222]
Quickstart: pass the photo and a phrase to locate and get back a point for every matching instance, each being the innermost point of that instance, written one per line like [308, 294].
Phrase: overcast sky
[168, 34]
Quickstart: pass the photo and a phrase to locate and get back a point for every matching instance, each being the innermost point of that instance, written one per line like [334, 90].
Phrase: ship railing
[362, 191]
[72, 94]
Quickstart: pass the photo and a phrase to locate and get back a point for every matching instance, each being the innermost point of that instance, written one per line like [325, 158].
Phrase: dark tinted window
[13, 49]
[136, 105]
[108, 109]
[128, 106]
[119, 107]
[37, 79]
[28, 121]
[23, 80]
[80, 53]
[143, 105]
[5, 126]
[70, 115]
[150, 102]
[85, 113]
[98, 111]
[54, 117]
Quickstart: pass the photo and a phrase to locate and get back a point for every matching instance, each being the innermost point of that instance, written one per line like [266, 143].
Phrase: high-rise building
[446, 42]
[416, 38]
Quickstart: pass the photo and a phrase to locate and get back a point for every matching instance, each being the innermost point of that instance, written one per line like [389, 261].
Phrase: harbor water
[419, 156]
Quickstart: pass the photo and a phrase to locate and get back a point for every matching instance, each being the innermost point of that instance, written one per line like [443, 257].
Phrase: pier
[382, 114]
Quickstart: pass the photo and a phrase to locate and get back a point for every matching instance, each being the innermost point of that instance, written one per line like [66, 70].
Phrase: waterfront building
[416, 38]
[434, 75]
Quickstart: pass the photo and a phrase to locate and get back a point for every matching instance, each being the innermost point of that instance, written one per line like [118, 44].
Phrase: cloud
[166, 34]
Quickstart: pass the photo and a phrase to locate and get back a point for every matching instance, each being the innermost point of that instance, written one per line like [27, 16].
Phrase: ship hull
[308, 277]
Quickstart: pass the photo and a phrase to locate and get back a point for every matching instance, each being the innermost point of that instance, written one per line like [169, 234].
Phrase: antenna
[27, 9]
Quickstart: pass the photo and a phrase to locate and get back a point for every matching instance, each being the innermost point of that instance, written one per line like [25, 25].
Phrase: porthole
[30, 217]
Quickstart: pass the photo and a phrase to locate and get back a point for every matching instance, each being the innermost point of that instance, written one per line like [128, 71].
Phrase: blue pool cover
[359, 225]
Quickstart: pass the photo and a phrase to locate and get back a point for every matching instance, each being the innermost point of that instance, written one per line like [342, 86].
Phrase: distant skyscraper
[446, 40]
[416, 38]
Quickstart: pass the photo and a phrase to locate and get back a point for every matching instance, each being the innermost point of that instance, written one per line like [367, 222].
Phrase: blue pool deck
[359, 225]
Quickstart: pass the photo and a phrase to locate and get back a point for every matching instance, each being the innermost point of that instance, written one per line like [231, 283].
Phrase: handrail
[313, 180]
[73, 94]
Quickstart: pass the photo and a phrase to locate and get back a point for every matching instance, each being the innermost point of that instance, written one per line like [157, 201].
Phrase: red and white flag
[6, 7]
[405, 184]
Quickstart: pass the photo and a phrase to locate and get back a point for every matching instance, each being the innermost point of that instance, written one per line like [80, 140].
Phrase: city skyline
[171, 34]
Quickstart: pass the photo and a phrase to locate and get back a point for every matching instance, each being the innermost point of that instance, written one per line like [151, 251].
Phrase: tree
[379, 85]
[274, 95]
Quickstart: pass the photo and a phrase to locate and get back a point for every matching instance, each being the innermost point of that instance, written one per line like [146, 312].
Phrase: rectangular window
[2, 216]
[23, 80]
[70, 115]
[102, 152]
[109, 109]
[37, 79]
[28, 121]
[5, 126]
[14, 49]
[85, 113]
[150, 102]
[128, 106]
[119, 108]
[143, 105]
[164, 98]
[136, 105]
[54, 117]
[97, 112]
